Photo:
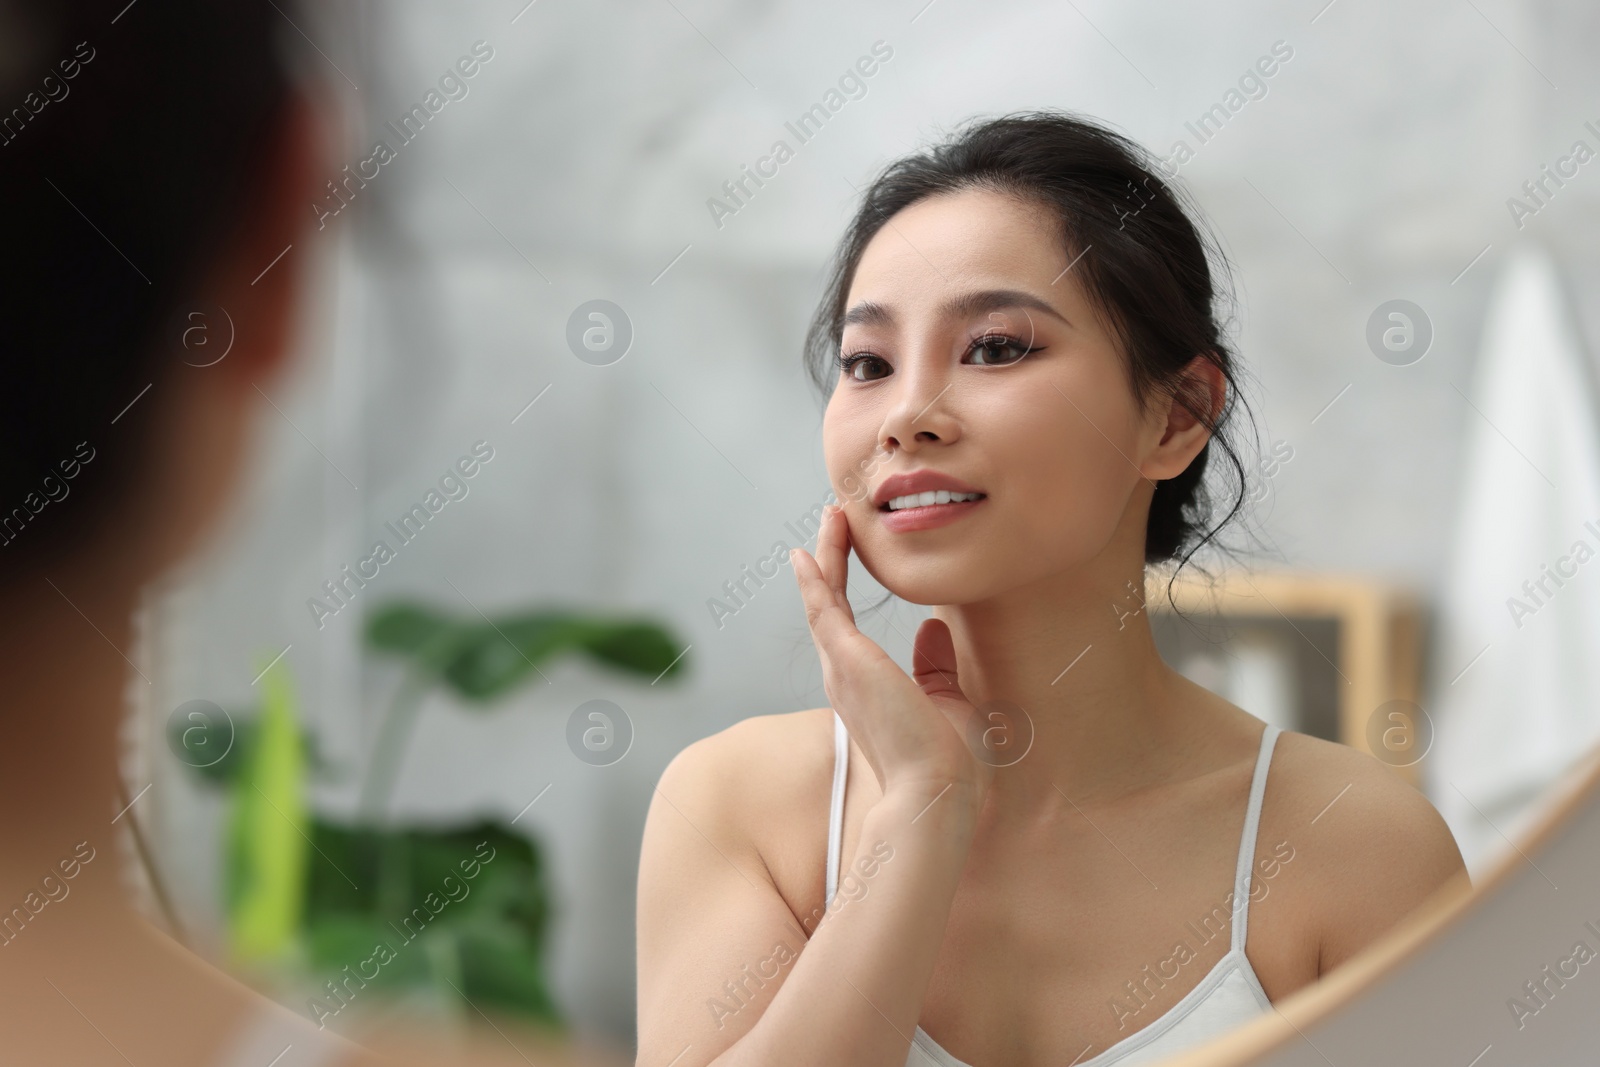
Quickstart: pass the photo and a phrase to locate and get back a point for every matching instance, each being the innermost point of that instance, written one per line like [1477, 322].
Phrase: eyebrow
[966, 305]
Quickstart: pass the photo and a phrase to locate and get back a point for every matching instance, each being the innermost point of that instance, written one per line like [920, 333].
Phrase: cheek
[849, 439]
[1066, 468]
[1075, 496]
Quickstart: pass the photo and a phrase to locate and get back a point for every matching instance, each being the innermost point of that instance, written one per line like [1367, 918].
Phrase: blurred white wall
[1376, 166]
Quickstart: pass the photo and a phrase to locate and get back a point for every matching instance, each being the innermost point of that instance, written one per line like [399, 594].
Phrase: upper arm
[715, 937]
[1384, 850]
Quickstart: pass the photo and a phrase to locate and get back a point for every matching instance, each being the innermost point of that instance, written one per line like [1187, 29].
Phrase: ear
[1176, 421]
[258, 276]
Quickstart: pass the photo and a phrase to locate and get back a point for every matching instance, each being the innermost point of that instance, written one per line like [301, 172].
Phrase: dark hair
[128, 138]
[1141, 261]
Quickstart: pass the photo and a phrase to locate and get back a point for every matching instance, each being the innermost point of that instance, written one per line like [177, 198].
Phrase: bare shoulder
[761, 759]
[1351, 800]
[1375, 846]
[759, 778]
[759, 790]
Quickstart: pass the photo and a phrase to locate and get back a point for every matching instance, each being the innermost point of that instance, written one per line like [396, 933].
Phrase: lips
[921, 481]
[932, 514]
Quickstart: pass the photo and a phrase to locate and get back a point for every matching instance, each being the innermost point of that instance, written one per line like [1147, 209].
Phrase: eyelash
[988, 340]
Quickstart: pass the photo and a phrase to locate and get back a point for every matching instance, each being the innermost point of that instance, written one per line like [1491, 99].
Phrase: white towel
[1512, 721]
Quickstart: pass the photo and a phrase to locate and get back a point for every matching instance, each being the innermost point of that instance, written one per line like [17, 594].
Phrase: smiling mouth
[930, 499]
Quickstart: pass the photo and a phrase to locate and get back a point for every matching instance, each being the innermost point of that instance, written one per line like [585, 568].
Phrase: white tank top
[1229, 995]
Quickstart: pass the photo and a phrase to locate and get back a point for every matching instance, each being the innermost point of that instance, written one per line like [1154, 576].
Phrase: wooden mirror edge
[1446, 911]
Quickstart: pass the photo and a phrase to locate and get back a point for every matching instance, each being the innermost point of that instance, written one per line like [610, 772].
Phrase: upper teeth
[922, 500]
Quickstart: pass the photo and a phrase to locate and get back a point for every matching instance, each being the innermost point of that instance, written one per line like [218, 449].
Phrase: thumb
[933, 660]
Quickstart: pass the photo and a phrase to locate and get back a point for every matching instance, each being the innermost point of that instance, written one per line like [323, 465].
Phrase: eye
[995, 346]
[866, 360]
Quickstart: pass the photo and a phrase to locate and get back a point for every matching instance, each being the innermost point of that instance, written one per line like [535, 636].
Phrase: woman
[158, 175]
[1055, 848]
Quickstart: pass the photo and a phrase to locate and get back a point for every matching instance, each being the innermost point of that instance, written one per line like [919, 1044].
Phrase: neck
[1075, 652]
[62, 639]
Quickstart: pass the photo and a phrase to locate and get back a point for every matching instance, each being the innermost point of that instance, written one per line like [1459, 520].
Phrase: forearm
[855, 993]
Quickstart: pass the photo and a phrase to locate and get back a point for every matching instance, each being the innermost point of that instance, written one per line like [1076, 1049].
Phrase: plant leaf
[474, 895]
[501, 968]
[641, 647]
[493, 658]
[482, 661]
[405, 627]
[266, 844]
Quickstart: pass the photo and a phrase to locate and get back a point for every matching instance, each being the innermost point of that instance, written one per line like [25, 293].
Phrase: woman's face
[985, 367]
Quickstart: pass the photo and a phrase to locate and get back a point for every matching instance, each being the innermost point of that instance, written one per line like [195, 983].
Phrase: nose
[920, 415]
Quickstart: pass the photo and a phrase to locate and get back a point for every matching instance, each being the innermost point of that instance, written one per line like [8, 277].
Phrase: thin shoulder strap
[1247, 841]
[841, 767]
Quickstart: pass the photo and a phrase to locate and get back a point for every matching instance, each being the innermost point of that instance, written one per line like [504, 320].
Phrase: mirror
[1464, 977]
[515, 534]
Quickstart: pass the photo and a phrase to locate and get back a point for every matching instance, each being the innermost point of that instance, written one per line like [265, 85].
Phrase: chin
[929, 578]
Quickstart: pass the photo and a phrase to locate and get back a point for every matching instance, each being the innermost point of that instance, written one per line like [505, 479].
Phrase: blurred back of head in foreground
[138, 145]
[157, 170]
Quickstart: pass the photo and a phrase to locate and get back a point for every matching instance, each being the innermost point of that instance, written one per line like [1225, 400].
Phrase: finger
[833, 556]
[831, 562]
[823, 613]
[933, 660]
[833, 630]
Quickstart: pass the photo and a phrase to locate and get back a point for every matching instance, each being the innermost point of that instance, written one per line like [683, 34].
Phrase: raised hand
[912, 728]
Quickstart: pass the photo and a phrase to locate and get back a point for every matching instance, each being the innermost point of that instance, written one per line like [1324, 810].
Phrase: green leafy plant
[299, 883]
[481, 660]
[483, 932]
